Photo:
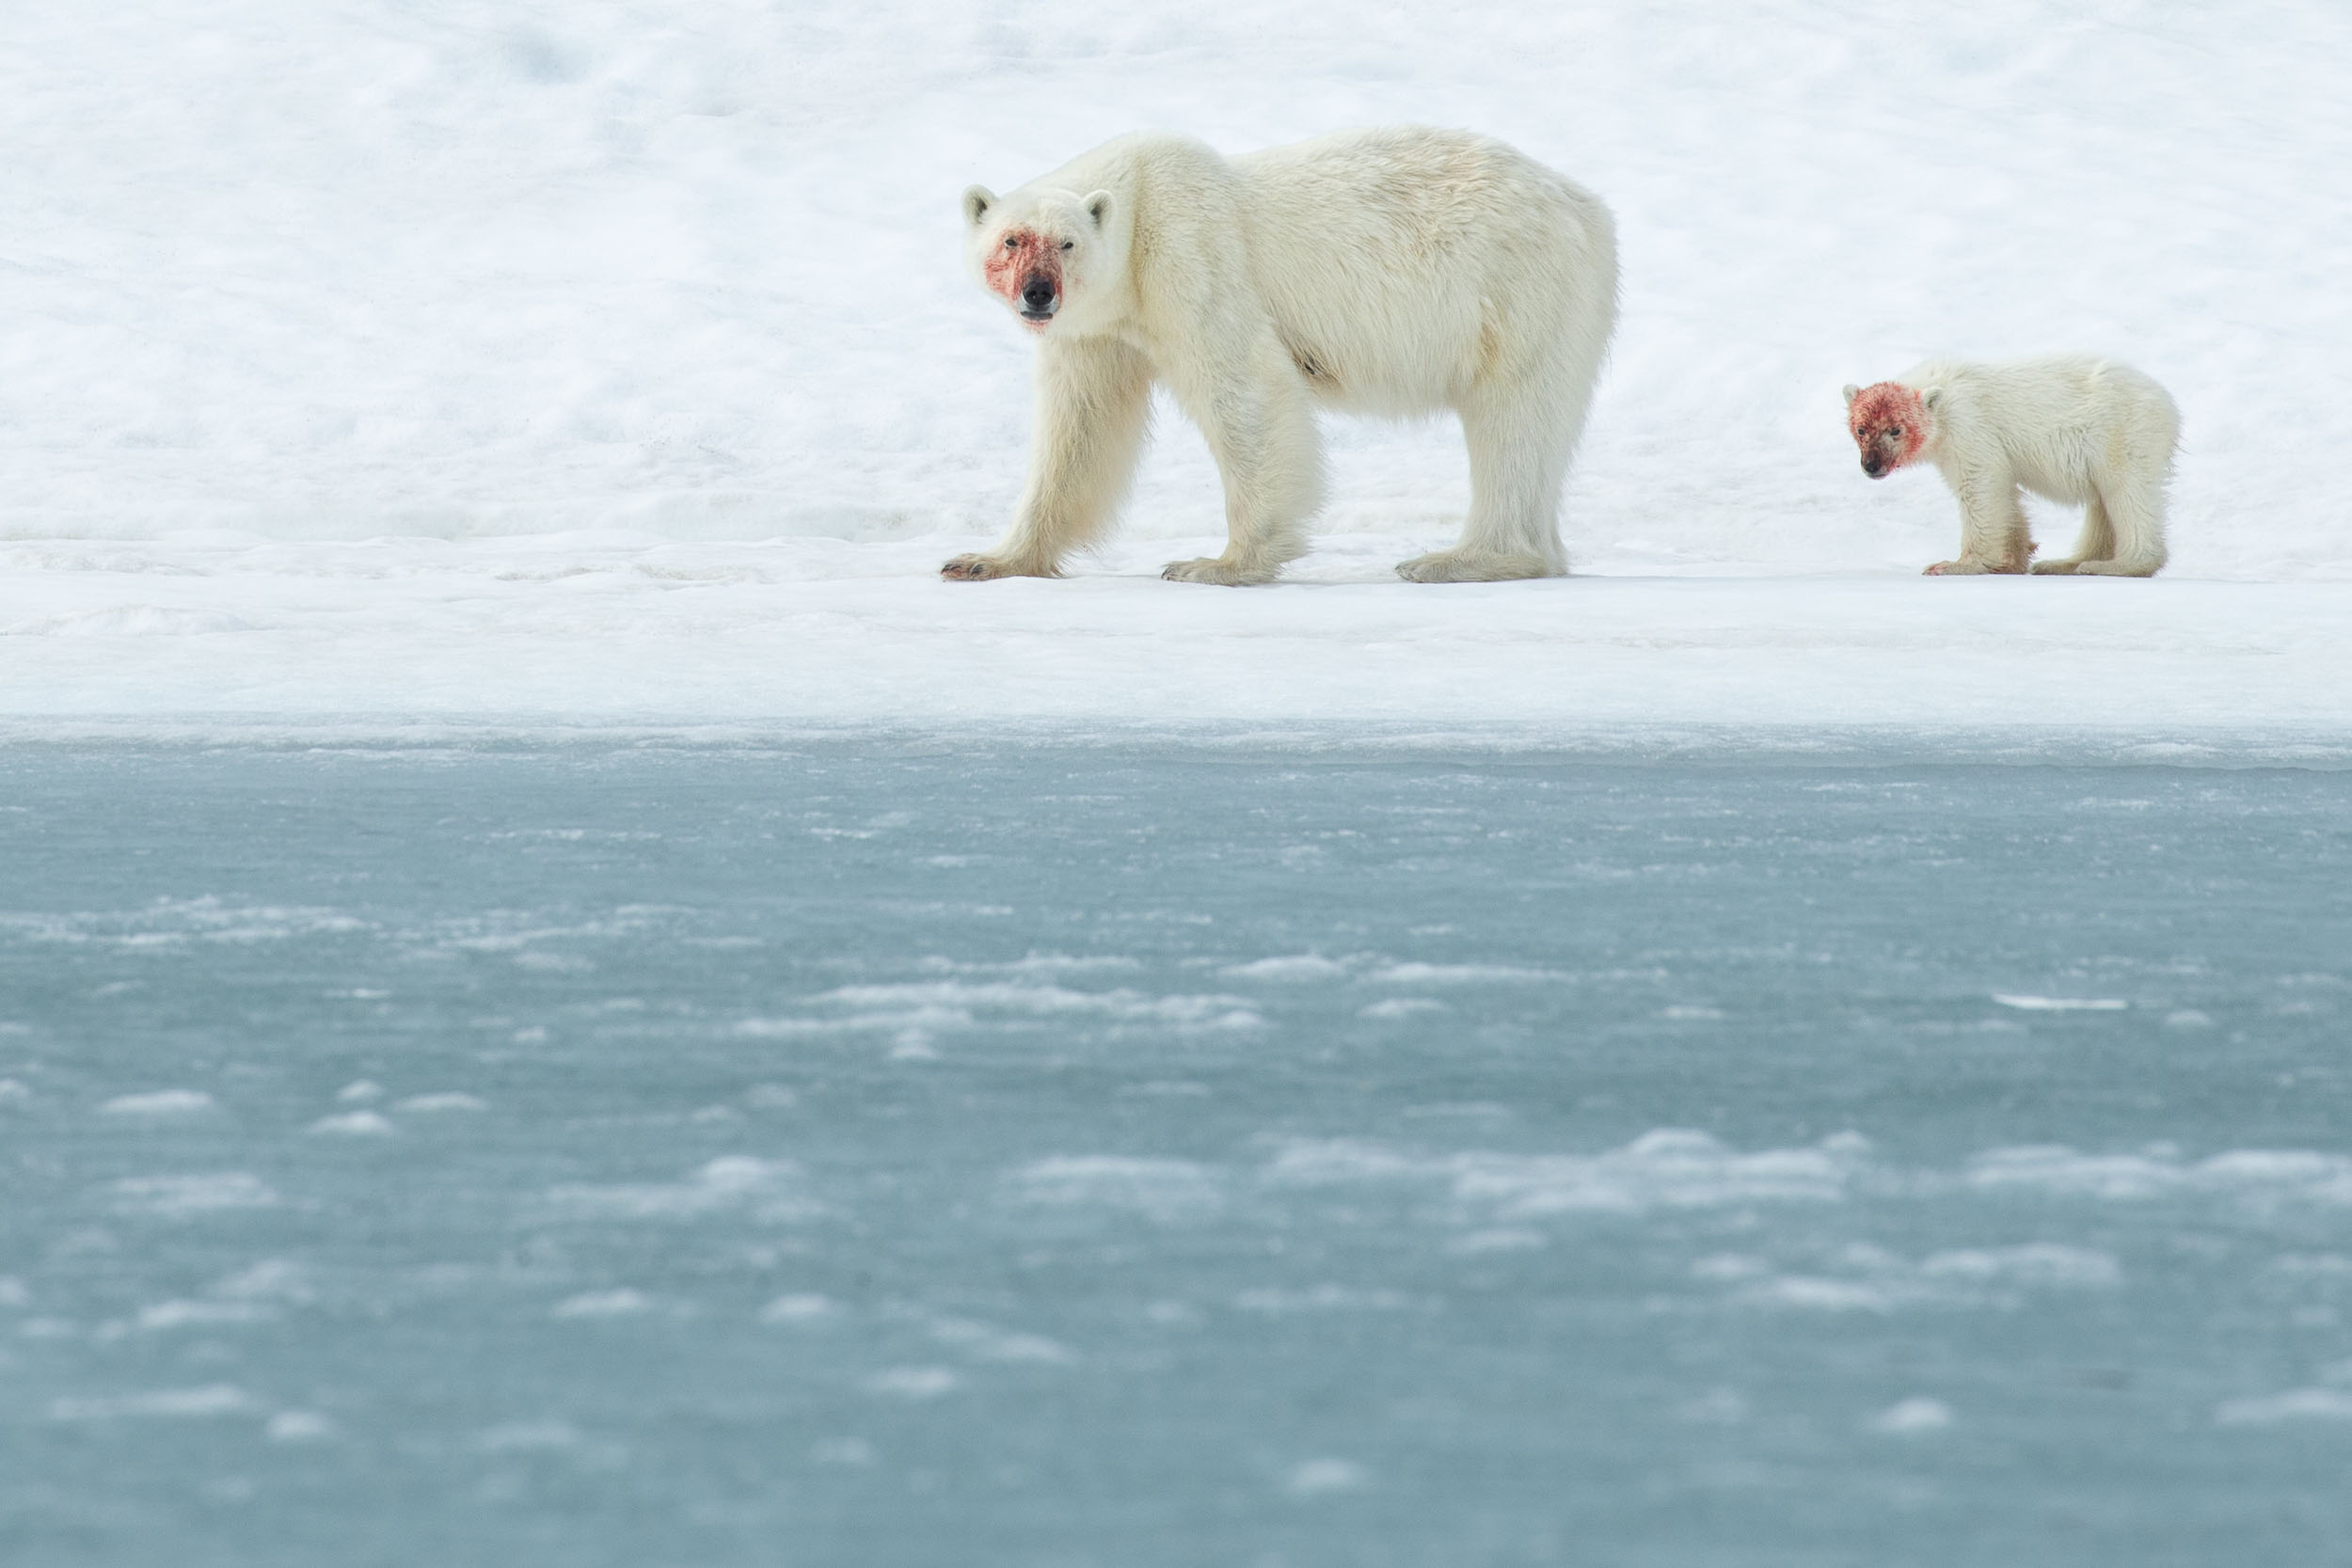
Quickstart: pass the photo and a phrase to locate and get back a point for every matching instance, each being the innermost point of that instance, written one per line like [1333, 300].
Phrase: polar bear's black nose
[1036, 294]
[1871, 465]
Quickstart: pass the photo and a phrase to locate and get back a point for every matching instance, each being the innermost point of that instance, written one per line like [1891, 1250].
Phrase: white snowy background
[610, 361]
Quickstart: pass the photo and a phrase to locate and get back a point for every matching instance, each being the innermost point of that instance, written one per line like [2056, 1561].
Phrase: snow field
[467, 267]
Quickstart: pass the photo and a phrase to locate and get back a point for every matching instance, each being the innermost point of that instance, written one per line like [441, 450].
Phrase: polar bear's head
[1055, 259]
[1891, 423]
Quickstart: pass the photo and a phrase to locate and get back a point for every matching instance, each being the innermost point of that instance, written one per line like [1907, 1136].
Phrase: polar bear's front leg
[1094, 403]
[1993, 531]
[1262, 429]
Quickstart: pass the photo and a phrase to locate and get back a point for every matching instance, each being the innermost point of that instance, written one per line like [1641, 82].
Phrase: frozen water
[883, 1155]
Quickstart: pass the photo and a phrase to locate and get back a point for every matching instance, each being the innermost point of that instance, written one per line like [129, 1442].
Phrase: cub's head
[1055, 258]
[1891, 423]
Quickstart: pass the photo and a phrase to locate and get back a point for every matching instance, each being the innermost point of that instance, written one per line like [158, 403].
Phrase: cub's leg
[1993, 533]
[1093, 402]
[2136, 506]
[2096, 544]
[1261, 426]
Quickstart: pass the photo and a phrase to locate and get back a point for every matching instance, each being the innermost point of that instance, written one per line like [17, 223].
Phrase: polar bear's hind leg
[1538, 361]
[2136, 508]
[2097, 542]
[1520, 439]
[1517, 463]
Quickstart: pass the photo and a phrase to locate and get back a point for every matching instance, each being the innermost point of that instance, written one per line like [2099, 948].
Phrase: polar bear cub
[2072, 428]
[1393, 272]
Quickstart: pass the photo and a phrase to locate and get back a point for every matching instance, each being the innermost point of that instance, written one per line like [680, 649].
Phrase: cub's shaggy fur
[2073, 428]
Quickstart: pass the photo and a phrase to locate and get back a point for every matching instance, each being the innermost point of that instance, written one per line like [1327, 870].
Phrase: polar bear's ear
[1852, 392]
[978, 199]
[1933, 396]
[1099, 207]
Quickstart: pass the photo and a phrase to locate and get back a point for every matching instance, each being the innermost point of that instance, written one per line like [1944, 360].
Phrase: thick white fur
[2076, 429]
[1393, 272]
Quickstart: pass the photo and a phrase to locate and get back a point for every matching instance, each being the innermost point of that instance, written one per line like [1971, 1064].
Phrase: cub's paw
[1216, 569]
[1957, 569]
[1461, 566]
[2060, 568]
[980, 569]
[2118, 568]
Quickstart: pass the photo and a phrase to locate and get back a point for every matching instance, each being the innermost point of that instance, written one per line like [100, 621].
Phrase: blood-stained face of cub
[1049, 255]
[1891, 423]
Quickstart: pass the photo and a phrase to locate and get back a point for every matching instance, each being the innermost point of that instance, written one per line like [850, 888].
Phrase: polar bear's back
[1404, 263]
[2057, 421]
[2048, 386]
[1404, 268]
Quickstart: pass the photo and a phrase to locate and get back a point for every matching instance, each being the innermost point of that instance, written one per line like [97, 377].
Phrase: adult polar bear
[1392, 272]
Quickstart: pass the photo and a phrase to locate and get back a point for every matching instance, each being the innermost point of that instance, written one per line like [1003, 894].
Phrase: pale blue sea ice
[894, 1154]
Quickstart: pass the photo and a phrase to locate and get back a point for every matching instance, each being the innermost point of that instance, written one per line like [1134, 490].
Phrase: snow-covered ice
[543, 636]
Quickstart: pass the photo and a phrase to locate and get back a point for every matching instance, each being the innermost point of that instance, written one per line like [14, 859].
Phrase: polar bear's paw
[2064, 567]
[1218, 569]
[1464, 566]
[2119, 568]
[980, 569]
[1959, 569]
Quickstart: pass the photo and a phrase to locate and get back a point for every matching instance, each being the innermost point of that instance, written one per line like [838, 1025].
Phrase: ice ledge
[1206, 740]
[542, 637]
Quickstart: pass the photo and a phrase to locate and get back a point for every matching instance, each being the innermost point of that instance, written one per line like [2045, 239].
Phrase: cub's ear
[1099, 207]
[1935, 395]
[978, 199]
[1852, 392]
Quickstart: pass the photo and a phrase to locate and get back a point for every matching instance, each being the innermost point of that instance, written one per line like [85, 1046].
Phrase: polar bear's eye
[1012, 244]
[1067, 244]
